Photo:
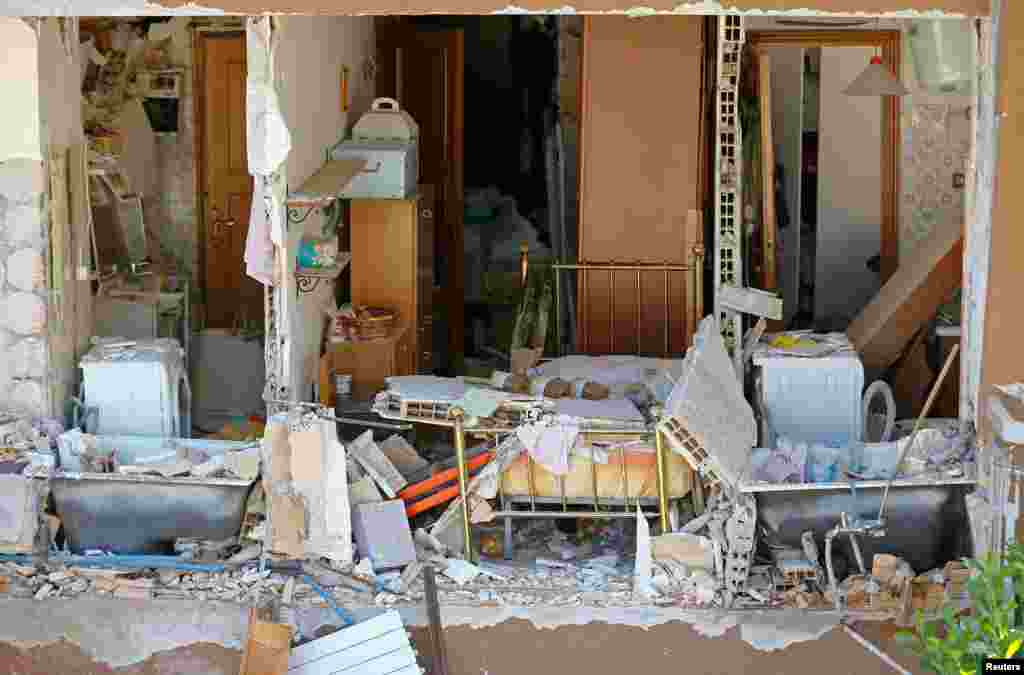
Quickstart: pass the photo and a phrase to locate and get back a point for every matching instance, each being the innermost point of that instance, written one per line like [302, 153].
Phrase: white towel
[550, 445]
[268, 142]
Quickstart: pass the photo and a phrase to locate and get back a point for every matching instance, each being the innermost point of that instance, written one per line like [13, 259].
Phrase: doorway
[232, 298]
[826, 237]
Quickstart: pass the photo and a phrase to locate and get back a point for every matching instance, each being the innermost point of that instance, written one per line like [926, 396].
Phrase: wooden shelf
[327, 184]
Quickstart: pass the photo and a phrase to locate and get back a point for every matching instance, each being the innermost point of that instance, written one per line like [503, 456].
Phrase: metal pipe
[611, 311]
[558, 314]
[572, 514]
[855, 545]
[832, 585]
[659, 448]
[585, 310]
[888, 660]
[668, 326]
[460, 451]
[639, 302]
[698, 270]
[623, 267]
[917, 425]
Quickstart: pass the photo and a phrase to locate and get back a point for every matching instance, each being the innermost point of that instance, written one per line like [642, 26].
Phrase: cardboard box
[369, 363]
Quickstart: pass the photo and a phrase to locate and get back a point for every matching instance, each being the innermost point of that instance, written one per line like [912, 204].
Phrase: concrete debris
[461, 571]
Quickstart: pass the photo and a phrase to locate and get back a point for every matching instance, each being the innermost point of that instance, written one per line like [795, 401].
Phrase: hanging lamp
[876, 80]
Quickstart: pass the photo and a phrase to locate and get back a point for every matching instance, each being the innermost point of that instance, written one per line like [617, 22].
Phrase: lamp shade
[876, 80]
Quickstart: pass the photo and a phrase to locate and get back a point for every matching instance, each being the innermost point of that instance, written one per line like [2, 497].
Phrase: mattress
[640, 479]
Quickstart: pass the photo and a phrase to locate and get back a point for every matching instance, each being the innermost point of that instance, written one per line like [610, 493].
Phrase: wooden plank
[910, 298]
[768, 222]
[266, 652]
[330, 179]
[381, 655]
[379, 625]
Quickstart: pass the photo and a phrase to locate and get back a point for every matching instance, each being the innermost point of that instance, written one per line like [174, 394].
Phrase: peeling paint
[120, 633]
[714, 8]
[700, 7]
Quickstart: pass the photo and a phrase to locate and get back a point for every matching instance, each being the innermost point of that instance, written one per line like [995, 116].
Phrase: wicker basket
[375, 323]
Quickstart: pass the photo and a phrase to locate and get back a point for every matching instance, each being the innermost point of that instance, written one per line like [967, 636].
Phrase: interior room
[164, 117]
[459, 293]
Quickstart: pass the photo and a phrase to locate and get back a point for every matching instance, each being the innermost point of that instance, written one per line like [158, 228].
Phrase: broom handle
[917, 425]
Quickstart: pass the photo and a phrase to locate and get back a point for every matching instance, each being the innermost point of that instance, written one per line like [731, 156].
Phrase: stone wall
[23, 306]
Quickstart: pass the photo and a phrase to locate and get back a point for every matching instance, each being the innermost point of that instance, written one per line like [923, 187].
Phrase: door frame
[889, 43]
[398, 29]
[201, 35]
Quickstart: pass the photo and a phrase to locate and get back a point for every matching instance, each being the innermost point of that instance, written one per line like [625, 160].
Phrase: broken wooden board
[329, 181]
[377, 464]
[911, 297]
[377, 646]
[268, 647]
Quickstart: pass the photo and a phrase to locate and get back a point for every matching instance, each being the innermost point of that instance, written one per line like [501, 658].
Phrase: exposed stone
[23, 313]
[26, 358]
[24, 224]
[22, 180]
[25, 269]
[27, 396]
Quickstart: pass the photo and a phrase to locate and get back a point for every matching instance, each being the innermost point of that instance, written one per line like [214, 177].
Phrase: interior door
[787, 104]
[423, 69]
[231, 295]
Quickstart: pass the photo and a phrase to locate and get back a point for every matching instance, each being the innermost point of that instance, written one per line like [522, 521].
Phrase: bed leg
[660, 466]
[508, 535]
[460, 451]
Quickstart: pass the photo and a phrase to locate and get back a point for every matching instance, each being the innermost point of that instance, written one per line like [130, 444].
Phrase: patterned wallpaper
[936, 145]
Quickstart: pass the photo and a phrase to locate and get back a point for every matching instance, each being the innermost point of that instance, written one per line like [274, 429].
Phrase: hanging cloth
[268, 143]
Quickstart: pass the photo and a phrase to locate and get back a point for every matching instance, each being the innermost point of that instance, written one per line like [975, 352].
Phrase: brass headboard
[584, 268]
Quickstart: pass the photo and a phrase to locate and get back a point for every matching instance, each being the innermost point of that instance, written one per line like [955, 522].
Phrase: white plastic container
[386, 121]
[391, 172]
[138, 390]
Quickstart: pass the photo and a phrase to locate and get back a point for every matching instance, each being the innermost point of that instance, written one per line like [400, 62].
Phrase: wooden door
[641, 172]
[231, 295]
[424, 70]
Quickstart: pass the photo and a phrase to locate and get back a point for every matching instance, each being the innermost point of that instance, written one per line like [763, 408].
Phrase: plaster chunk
[22, 180]
[28, 396]
[25, 269]
[23, 313]
[27, 358]
[24, 224]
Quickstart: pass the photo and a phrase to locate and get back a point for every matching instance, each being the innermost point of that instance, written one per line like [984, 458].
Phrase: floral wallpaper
[936, 147]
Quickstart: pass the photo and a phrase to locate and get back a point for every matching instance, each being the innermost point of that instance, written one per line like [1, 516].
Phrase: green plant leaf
[1013, 648]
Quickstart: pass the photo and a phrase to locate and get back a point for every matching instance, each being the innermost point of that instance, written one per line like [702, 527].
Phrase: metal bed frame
[583, 270]
[444, 414]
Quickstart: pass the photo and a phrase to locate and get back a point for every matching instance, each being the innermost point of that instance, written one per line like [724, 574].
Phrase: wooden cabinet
[392, 242]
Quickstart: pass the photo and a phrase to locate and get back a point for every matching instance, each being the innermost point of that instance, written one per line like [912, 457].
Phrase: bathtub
[144, 514]
[926, 520]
